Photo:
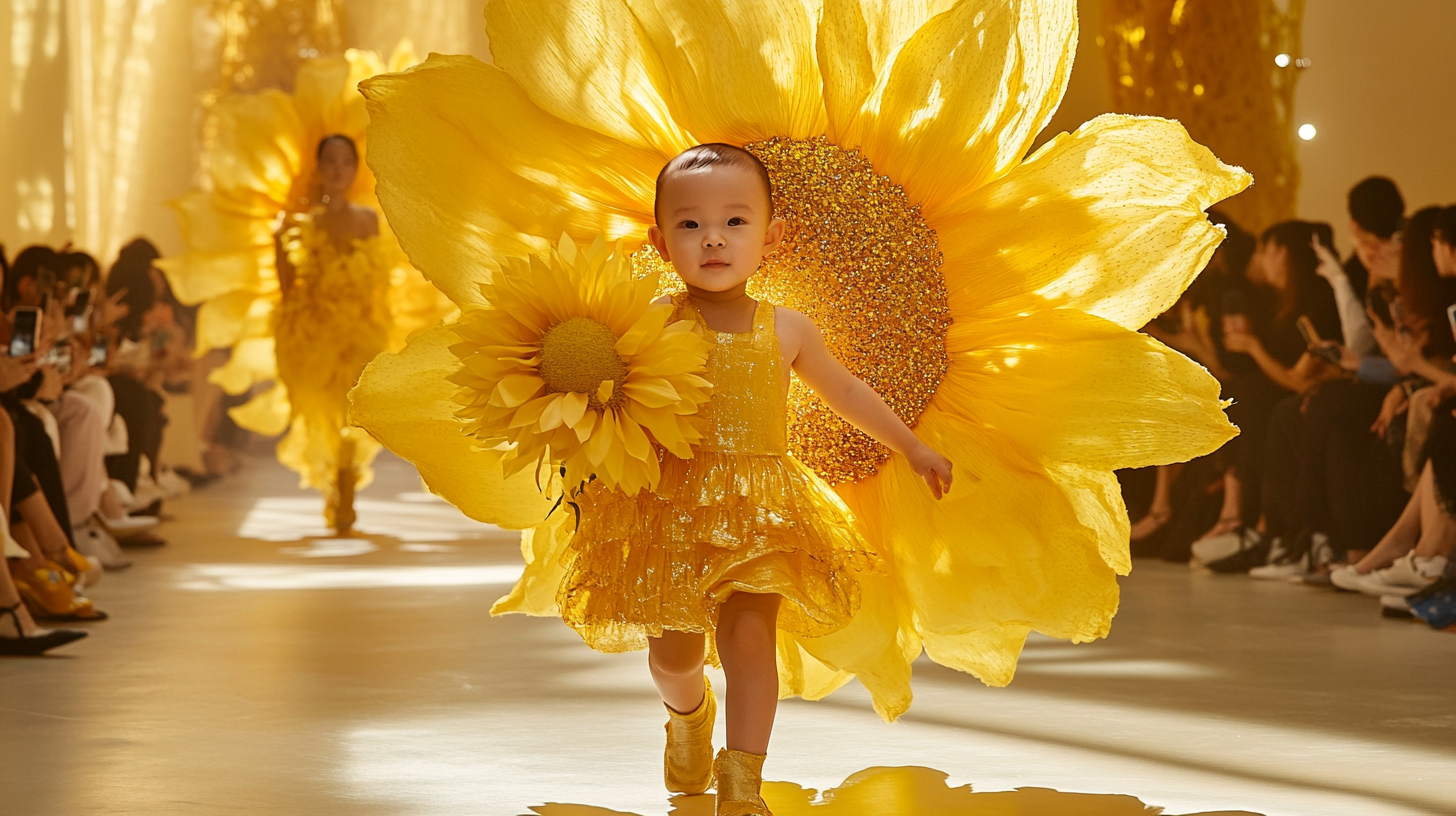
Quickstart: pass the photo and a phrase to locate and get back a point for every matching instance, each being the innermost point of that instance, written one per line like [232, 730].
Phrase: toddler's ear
[773, 235]
[659, 241]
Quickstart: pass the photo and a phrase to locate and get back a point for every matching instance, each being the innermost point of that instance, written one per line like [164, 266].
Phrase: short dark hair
[318, 154]
[1376, 205]
[28, 264]
[710, 155]
[132, 272]
[1446, 226]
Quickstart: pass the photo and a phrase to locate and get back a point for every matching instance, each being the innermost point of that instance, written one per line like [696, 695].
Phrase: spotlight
[1307, 131]
[1282, 60]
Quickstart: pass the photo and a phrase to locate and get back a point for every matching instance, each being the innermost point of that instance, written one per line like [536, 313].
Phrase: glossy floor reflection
[908, 792]
[260, 665]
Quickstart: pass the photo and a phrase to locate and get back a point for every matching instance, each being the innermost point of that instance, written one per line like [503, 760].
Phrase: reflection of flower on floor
[909, 791]
[991, 298]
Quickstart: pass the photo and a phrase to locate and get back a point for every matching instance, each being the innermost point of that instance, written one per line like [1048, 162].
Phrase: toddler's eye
[690, 225]
[735, 221]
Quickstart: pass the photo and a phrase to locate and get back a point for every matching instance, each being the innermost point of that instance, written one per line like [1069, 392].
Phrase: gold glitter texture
[859, 259]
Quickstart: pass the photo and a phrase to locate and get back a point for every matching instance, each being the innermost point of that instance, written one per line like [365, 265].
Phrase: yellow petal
[471, 171]
[857, 40]
[633, 439]
[573, 408]
[965, 96]
[604, 391]
[259, 146]
[588, 63]
[515, 389]
[252, 361]
[404, 401]
[551, 416]
[266, 414]
[1107, 220]
[971, 591]
[1105, 397]
[740, 70]
[653, 393]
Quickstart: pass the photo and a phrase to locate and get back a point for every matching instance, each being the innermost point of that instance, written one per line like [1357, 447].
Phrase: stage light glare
[1282, 60]
[1307, 131]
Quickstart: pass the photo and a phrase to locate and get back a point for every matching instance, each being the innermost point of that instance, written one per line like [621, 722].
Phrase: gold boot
[688, 761]
[740, 776]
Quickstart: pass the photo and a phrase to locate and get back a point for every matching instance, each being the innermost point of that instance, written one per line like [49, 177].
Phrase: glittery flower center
[859, 259]
[577, 355]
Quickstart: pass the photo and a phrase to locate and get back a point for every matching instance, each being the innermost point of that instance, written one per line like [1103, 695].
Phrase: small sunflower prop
[991, 297]
[261, 168]
[571, 362]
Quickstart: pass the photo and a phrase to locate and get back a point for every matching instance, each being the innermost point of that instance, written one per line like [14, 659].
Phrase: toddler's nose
[713, 242]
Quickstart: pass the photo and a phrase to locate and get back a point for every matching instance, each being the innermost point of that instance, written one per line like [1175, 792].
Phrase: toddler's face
[715, 226]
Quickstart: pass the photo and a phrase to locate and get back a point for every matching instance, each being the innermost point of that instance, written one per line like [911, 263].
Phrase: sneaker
[1395, 606]
[1344, 577]
[1408, 574]
[1281, 571]
[94, 542]
[1214, 548]
[1253, 551]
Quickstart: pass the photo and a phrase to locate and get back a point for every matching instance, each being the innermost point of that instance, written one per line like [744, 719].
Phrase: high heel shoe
[48, 592]
[688, 761]
[740, 779]
[31, 645]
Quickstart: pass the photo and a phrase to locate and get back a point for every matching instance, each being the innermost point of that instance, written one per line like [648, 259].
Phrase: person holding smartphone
[1263, 328]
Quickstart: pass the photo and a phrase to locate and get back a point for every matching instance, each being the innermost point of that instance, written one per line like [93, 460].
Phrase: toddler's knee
[675, 663]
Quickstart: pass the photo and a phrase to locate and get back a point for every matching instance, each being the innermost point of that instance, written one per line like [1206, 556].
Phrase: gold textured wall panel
[1211, 64]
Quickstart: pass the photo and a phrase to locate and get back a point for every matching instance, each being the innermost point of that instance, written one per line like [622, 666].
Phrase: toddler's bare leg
[746, 645]
[676, 661]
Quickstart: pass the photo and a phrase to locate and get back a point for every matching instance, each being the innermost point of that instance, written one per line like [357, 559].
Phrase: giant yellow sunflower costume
[991, 299]
[361, 300]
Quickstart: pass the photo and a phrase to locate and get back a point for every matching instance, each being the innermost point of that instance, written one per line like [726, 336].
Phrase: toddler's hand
[932, 467]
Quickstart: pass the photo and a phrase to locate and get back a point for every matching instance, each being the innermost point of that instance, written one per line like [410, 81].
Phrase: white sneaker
[1345, 577]
[94, 542]
[1408, 574]
[1216, 548]
[128, 526]
[1281, 572]
[1395, 606]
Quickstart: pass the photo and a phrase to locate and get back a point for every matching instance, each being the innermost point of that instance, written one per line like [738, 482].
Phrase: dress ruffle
[720, 523]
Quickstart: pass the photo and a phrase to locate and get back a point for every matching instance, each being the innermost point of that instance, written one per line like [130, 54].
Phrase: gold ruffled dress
[742, 515]
[332, 320]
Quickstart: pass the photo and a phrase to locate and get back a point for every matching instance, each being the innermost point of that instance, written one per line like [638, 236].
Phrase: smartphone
[1312, 341]
[1451, 318]
[100, 350]
[59, 357]
[81, 312]
[1307, 331]
[27, 328]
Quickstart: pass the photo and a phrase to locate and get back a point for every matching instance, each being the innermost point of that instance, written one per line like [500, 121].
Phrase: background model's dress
[740, 516]
[332, 320]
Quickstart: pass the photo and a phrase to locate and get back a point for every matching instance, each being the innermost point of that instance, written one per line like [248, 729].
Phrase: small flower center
[577, 355]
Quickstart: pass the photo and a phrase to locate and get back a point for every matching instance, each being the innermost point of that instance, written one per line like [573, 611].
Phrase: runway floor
[258, 666]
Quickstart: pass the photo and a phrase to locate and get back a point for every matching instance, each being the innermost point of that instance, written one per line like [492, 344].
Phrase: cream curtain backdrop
[101, 107]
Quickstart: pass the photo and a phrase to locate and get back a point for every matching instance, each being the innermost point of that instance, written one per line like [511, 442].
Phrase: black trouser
[33, 447]
[1255, 397]
[1363, 482]
[141, 408]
